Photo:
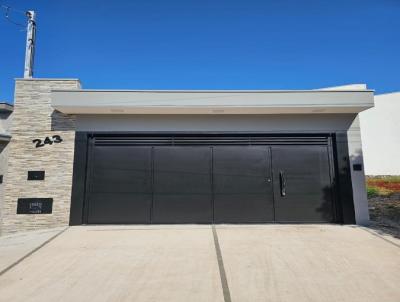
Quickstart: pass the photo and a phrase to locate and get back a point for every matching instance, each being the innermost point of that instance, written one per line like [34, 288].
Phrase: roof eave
[211, 102]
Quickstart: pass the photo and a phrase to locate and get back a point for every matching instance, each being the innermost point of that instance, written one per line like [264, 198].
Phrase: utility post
[30, 44]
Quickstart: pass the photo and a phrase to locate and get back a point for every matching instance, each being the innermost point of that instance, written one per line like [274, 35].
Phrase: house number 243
[55, 139]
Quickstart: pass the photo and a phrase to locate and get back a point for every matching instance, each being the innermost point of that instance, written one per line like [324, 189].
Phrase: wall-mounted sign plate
[36, 175]
[35, 206]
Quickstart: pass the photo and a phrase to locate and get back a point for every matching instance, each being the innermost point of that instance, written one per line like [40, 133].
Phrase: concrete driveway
[199, 263]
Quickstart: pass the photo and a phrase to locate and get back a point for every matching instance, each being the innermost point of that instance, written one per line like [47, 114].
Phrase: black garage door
[206, 180]
[182, 185]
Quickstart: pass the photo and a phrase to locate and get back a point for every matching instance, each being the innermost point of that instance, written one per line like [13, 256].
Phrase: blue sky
[208, 44]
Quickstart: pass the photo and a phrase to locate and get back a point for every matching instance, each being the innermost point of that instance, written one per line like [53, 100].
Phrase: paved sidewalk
[14, 247]
[192, 263]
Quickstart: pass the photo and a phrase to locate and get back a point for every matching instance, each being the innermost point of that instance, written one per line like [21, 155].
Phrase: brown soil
[385, 214]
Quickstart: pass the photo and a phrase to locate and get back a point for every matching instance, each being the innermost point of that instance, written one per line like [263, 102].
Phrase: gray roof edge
[388, 93]
[6, 107]
[210, 91]
[47, 79]
[5, 137]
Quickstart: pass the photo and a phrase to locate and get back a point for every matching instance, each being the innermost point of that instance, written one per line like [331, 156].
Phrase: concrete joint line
[31, 252]
[222, 273]
[379, 236]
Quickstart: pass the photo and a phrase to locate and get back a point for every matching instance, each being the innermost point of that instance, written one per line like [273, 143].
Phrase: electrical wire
[4, 5]
[8, 9]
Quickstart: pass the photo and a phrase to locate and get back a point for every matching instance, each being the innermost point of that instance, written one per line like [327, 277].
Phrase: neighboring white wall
[5, 122]
[346, 87]
[380, 132]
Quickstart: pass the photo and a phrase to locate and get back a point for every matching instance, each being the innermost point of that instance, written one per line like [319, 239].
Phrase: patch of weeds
[372, 192]
[383, 186]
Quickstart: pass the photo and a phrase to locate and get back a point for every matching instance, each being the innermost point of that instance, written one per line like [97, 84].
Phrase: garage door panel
[306, 181]
[134, 181]
[183, 208]
[120, 185]
[189, 183]
[246, 209]
[239, 184]
[120, 157]
[242, 192]
[182, 185]
[119, 208]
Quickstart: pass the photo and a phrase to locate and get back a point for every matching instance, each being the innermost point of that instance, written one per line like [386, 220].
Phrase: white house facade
[152, 157]
[380, 133]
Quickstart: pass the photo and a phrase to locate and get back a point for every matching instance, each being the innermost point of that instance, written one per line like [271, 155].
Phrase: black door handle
[282, 181]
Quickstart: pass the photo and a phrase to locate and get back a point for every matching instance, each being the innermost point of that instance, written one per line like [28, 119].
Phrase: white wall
[5, 122]
[380, 133]
[212, 122]
[358, 177]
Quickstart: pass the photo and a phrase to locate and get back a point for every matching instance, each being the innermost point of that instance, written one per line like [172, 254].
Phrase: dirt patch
[385, 214]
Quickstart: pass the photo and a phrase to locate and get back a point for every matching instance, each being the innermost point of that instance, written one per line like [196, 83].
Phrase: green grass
[372, 192]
